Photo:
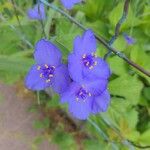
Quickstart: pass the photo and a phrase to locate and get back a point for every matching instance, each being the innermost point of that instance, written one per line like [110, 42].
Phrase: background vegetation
[126, 125]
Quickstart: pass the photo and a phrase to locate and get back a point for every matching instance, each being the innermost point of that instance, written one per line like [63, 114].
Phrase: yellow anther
[95, 63]
[90, 94]
[51, 75]
[41, 75]
[95, 55]
[39, 67]
[91, 67]
[80, 93]
[84, 56]
[46, 66]
[87, 63]
[48, 80]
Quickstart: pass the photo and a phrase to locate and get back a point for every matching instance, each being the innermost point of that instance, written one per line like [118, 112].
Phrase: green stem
[38, 97]
[118, 26]
[41, 21]
[19, 33]
[99, 130]
[17, 17]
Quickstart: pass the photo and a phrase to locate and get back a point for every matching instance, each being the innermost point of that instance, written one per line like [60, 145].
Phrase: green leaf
[99, 27]
[133, 135]
[49, 22]
[16, 65]
[116, 14]
[126, 86]
[131, 116]
[64, 140]
[12, 68]
[36, 142]
[145, 15]
[116, 111]
[145, 138]
[146, 93]
[120, 43]
[117, 65]
[93, 145]
[121, 112]
[141, 58]
[42, 124]
[93, 9]
[53, 102]
[9, 41]
[66, 31]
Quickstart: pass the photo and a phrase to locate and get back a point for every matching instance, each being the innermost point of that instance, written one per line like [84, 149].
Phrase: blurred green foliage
[129, 111]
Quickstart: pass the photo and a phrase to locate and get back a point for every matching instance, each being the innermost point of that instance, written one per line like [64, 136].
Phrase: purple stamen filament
[46, 72]
[89, 60]
[82, 94]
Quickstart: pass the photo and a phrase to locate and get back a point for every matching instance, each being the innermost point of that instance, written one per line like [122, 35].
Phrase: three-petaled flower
[130, 40]
[83, 62]
[37, 12]
[88, 92]
[68, 4]
[48, 70]
[85, 98]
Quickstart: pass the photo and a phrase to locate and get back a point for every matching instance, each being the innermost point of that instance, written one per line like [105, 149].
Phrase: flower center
[46, 72]
[82, 94]
[89, 60]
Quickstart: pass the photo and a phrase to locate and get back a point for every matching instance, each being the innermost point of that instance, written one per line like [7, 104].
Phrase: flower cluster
[87, 94]
[38, 11]
[83, 84]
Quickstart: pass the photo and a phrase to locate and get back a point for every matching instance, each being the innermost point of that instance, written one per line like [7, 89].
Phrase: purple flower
[83, 62]
[129, 39]
[101, 102]
[85, 98]
[69, 3]
[37, 13]
[48, 70]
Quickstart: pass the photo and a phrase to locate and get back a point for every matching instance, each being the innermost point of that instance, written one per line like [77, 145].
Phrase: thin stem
[23, 38]
[99, 130]
[15, 10]
[41, 21]
[125, 142]
[139, 146]
[118, 26]
[38, 97]
[63, 13]
[121, 21]
[19, 23]
[100, 39]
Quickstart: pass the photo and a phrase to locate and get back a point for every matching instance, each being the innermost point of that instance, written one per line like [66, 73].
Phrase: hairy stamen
[89, 60]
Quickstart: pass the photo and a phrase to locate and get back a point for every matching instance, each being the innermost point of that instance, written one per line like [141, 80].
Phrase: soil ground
[16, 122]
